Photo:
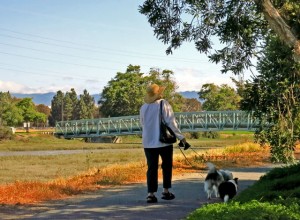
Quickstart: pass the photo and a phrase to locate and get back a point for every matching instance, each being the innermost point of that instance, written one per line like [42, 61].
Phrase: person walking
[153, 148]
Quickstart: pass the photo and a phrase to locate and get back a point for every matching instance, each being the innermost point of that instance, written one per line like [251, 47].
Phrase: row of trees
[64, 106]
[68, 106]
[122, 96]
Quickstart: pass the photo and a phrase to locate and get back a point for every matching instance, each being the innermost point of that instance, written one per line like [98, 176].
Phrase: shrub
[211, 134]
[280, 172]
[195, 135]
[187, 135]
[250, 210]
[5, 133]
[281, 182]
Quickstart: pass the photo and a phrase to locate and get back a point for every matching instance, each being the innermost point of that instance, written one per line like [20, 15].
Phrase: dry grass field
[27, 179]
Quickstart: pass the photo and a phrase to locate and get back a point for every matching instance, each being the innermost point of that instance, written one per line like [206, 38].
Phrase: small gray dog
[214, 178]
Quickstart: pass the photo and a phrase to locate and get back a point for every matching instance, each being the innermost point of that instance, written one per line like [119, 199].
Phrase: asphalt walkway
[129, 202]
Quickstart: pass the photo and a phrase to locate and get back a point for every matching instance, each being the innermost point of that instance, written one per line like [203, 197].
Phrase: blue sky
[52, 45]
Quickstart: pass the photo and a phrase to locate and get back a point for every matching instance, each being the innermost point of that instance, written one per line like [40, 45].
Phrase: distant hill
[45, 98]
[191, 95]
[37, 98]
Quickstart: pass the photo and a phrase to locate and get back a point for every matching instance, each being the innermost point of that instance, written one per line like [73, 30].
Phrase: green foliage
[57, 108]
[124, 95]
[85, 106]
[236, 24]
[290, 11]
[191, 105]
[219, 98]
[211, 134]
[68, 107]
[5, 133]
[276, 186]
[10, 114]
[274, 97]
[239, 25]
[15, 111]
[253, 210]
[275, 196]
[195, 135]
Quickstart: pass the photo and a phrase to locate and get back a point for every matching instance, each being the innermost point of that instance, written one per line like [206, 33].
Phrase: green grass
[252, 210]
[275, 196]
[45, 168]
[29, 142]
[34, 142]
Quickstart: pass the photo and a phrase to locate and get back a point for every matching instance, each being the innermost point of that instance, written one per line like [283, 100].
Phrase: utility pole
[62, 109]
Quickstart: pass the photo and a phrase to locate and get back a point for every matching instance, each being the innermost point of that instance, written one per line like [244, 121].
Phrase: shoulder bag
[166, 134]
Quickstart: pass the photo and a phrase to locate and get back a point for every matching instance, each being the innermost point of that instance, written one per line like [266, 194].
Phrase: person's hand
[183, 143]
[183, 140]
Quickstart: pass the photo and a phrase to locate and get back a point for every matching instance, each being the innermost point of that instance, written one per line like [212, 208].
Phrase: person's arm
[168, 116]
[141, 118]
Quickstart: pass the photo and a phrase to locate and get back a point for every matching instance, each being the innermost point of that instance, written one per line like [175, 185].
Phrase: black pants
[152, 156]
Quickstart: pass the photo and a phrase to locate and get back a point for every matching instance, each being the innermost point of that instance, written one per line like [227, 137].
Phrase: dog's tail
[226, 198]
[211, 166]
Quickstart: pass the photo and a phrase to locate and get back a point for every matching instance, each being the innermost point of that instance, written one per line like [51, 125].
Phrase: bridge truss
[130, 125]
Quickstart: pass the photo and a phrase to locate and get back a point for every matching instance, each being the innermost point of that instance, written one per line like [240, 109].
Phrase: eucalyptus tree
[239, 25]
[274, 97]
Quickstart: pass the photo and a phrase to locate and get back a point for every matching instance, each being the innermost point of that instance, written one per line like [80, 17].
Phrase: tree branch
[278, 24]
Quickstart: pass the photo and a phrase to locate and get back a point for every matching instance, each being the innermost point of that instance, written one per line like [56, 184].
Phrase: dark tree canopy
[239, 25]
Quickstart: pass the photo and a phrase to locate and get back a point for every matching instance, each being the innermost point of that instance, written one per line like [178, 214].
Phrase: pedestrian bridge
[130, 125]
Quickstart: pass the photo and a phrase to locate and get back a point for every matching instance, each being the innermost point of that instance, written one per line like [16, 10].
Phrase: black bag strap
[161, 113]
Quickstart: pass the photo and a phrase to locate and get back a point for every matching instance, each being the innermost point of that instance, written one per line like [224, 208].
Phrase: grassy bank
[275, 196]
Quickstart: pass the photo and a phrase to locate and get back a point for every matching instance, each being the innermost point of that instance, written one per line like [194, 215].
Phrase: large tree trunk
[277, 23]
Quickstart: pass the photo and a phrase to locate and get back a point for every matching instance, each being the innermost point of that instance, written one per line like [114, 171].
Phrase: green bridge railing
[129, 125]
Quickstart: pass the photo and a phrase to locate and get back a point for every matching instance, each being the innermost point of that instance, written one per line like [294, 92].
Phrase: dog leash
[187, 159]
[185, 156]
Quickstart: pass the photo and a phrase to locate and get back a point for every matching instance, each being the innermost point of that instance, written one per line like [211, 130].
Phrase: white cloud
[11, 87]
[14, 87]
[192, 80]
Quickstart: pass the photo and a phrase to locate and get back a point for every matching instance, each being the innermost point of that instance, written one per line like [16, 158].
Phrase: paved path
[129, 202]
